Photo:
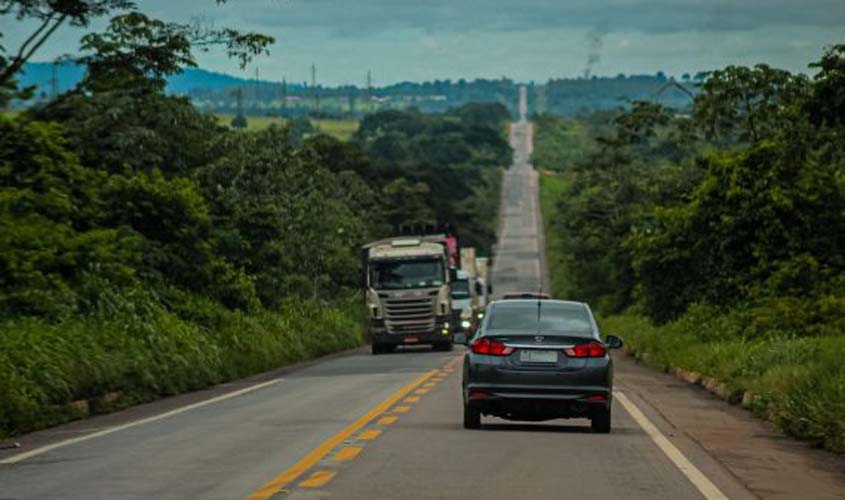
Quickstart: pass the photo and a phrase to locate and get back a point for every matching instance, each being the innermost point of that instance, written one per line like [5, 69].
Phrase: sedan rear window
[522, 317]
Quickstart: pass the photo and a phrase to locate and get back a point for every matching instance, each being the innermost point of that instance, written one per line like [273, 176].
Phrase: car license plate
[411, 340]
[535, 356]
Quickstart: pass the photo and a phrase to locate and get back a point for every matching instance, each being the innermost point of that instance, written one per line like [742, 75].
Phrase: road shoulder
[99, 423]
[766, 462]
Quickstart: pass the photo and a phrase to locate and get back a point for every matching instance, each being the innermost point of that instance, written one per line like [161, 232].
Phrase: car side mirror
[613, 342]
[479, 289]
[459, 338]
[489, 288]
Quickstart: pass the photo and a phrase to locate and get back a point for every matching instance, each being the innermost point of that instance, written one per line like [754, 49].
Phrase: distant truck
[408, 289]
[470, 292]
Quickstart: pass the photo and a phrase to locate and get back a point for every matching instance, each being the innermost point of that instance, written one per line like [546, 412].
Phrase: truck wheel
[472, 417]
[443, 346]
[377, 349]
[600, 421]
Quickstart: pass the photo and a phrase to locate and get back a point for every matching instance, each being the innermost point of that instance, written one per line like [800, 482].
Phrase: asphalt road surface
[357, 426]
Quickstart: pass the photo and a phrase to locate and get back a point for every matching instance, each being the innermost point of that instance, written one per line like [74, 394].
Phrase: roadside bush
[130, 344]
[798, 382]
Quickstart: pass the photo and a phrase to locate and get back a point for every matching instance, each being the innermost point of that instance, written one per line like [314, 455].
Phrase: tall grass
[141, 350]
[797, 382]
[788, 353]
[552, 187]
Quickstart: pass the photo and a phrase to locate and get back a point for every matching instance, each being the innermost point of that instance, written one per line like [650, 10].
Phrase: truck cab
[408, 293]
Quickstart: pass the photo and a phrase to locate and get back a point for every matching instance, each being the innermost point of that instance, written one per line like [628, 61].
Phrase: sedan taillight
[592, 349]
[490, 347]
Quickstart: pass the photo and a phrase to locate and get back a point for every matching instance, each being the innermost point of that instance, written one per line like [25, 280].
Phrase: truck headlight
[465, 324]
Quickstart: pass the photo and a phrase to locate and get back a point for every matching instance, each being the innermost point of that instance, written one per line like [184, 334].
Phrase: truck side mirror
[453, 274]
[479, 288]
[489, 288]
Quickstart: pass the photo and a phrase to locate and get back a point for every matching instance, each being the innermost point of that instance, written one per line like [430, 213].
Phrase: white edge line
[695, 476]
[67, 442]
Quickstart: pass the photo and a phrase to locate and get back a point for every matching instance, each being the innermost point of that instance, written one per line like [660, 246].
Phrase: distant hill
[213, 92]
[69, 74]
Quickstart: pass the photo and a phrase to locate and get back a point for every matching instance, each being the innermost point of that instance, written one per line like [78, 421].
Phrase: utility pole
[352, 91]
[257, 96]
[54, 80]
[369, 90]
[284, 95]
[314, 87]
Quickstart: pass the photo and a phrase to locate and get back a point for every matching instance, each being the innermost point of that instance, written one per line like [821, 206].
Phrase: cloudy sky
[523, 39]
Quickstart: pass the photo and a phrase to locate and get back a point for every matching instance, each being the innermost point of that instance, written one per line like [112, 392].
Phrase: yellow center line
[401, 409]
[347, 453]
[421, 391]
[311, 459]
[318, 479]
[369, 434]
[387, 420]
[411, 399]
[429, 385]
[453, 363]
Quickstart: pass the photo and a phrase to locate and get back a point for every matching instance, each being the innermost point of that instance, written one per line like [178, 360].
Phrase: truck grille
[409, 316]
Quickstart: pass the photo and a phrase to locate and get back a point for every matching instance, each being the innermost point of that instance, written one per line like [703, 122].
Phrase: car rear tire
[472, 417]
[600, 421]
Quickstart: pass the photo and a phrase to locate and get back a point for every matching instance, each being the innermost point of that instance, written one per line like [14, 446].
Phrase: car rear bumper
[519, 402]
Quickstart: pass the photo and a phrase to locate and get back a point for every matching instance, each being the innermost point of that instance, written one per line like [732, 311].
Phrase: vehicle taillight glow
[592, 349]
[490, 347]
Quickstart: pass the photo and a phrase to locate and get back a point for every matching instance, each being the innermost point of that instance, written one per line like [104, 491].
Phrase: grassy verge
[552, 187]
[559, 142]
[796, 382]
[135, 350]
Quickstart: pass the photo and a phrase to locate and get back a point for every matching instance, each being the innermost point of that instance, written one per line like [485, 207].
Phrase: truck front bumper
[378, 334]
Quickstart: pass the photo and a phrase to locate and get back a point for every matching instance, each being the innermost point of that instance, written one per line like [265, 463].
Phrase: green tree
[280, 215]
[49, 16]
[407, 202]
[740, 104]
[51, 231]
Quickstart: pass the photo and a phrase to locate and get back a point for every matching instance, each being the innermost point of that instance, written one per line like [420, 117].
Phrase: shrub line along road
[389, 427]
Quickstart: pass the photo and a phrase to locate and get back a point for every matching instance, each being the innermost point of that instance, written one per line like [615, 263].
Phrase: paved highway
[357, 426]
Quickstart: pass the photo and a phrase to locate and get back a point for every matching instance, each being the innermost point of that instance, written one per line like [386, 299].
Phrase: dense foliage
[147, 250]
[726, 224]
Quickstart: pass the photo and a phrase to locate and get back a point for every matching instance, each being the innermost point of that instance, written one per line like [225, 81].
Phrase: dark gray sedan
[539, 360]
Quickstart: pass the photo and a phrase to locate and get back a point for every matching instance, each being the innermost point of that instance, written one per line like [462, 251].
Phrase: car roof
[525, 295]
[546, 302]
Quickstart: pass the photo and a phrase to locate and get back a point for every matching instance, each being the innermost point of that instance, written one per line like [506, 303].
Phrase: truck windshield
[406, 274]
[460, 289]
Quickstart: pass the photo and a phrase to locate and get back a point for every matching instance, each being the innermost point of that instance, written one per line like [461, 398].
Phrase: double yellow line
[275, 485]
